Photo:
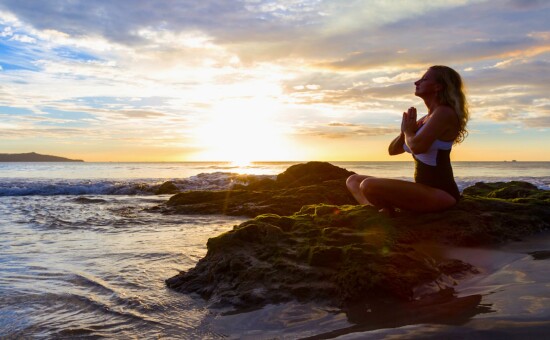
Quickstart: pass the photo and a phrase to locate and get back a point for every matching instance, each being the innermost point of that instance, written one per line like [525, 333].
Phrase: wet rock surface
[310, 243]
[167, 188]
[299, 185]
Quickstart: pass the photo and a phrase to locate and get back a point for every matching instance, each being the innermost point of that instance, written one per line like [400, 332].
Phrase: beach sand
[509, 299]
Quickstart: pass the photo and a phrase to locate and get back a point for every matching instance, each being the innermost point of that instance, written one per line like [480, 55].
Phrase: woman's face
[426, 85]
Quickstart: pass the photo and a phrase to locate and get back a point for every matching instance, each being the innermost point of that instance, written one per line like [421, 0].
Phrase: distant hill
[33, 157]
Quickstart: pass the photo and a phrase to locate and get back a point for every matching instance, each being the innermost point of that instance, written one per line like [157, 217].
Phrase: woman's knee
[372, 189]
[370, 185]
[354, 181]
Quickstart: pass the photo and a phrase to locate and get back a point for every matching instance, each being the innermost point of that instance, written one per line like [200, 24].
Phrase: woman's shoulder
[444, 110]
[445, 113]
[447, 117]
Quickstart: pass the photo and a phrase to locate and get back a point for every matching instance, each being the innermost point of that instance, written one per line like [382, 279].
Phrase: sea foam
[43, 187]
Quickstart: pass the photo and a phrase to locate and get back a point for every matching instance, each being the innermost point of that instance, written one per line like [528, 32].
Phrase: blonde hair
[453, 96]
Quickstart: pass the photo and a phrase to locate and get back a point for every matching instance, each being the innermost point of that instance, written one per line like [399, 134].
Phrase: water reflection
[443, 307]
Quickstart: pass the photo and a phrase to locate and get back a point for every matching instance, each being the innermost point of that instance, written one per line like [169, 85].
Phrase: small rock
[167, 188]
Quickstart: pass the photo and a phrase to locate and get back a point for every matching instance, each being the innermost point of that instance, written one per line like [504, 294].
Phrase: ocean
[82, 257]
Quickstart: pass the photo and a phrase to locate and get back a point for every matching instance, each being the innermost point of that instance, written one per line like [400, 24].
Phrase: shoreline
[74, 224]
[308, 241]
[490, 319]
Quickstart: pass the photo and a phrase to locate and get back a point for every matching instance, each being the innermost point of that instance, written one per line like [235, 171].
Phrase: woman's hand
[408, 124]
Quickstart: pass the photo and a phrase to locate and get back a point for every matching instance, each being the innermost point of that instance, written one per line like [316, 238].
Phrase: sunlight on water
[71, 268]
[82, 257]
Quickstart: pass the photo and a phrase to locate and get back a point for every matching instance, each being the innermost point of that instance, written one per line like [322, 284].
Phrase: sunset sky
[188, 80]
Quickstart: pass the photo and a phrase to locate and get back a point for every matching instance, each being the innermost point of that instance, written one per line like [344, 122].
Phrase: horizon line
[290, 161]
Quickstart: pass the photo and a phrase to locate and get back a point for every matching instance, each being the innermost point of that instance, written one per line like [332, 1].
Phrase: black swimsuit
[433, 167]
[439, 176]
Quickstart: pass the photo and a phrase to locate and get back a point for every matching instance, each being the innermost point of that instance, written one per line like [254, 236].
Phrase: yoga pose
[429, 140]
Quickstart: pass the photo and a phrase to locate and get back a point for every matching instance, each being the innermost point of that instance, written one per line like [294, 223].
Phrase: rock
[309, 242]
[540, 254]
[167, 188]
[338, 254]
[510, 190]
[87, 200]
[310, 173]
[333, 257]
[299, 185]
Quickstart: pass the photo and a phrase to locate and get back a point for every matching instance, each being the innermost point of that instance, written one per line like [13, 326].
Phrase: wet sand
[509, 298]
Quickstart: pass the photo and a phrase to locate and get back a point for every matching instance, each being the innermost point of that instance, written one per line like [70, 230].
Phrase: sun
[241, 131]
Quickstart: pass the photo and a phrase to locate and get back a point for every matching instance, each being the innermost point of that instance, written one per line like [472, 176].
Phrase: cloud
[360, 35]
[342, 124]
[489, 32]
[164, 66]
[527, 4]
[23, 38]
[6, 32]
[538, 122]
[503, 114]
[514, 92]
[340, 130]
[57, 133]
[134, 114]
[253, 29]
[401, 77]
[361, 96]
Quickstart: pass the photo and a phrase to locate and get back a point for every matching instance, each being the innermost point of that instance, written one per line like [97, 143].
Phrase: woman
[429, 140]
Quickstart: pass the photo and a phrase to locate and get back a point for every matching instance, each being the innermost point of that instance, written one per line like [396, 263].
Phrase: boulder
[309, 174]
[339, 254]
[167, 188]
[299, 185]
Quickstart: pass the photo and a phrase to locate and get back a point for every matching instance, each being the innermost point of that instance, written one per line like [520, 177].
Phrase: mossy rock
[301, 184]
[310, 250]
[289, 253]
[311, 173]
[506, 190]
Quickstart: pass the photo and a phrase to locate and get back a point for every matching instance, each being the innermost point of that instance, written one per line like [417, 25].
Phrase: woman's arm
[442, 119]
[396, 145]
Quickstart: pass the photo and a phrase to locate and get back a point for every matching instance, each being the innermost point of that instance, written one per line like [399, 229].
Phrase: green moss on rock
[335, 253]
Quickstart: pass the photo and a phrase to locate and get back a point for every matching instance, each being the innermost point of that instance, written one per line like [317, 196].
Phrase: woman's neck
[431, 103]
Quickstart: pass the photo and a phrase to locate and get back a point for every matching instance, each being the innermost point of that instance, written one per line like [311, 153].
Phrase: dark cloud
[528, 4]
[356, 95]
[455, 36]
[537, 122]
[533, 74]
[457, 53]
[513, 92]
[120, 20]
[267, 30]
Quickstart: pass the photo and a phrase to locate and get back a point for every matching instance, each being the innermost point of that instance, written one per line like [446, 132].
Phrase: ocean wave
[203, 181]
[71, 187]
[540, 182]
[33, 187]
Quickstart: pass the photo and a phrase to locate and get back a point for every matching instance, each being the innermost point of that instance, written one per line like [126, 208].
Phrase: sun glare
[242, 131]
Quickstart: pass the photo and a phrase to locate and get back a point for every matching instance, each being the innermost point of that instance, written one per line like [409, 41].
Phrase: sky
[258, 80]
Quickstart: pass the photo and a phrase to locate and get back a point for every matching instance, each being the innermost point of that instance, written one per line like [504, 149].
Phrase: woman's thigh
[407, 195]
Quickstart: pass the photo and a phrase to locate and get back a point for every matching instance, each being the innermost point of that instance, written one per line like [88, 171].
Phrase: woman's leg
[392, 193]
[353, 183]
